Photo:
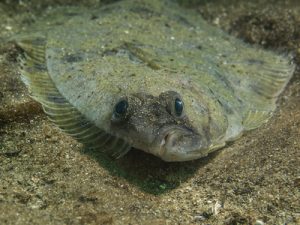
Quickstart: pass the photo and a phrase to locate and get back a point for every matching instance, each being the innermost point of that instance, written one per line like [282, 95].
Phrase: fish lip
[166, 136]
[164, 141]
[160, 141]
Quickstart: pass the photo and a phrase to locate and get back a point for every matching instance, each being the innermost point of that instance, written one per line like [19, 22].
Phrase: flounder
[153, 76]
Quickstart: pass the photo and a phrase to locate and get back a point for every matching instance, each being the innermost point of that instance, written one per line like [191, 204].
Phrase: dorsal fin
[269, 78]
[268, 83]
[258, 78]
[59, 110]
[254, 119]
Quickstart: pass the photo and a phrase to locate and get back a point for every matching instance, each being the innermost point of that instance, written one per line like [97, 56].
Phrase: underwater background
[46, 178]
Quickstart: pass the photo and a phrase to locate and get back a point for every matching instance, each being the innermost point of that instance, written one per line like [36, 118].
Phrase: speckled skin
[140, 50]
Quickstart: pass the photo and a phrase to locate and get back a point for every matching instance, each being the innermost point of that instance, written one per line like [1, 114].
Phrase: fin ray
[255, 118]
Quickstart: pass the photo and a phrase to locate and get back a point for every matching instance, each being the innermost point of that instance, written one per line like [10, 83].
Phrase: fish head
[158, 125]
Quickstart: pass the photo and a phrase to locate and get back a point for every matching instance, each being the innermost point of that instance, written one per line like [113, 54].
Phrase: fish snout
[181, 145]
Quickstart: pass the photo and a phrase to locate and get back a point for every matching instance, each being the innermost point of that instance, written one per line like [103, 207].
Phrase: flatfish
[150, 75]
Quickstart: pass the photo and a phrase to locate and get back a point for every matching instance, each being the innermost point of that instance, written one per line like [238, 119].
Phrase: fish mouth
[178, 144]
[169, 137]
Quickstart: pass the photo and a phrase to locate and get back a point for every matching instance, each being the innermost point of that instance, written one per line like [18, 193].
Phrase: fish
[150, 75]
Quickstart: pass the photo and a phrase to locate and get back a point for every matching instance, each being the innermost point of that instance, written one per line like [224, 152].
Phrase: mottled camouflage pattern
[149, 52]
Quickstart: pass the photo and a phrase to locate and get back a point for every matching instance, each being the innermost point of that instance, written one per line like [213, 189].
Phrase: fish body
[150, 75]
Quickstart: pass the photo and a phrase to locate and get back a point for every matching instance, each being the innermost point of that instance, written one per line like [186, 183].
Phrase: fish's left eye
[173, 102]
[178, 106]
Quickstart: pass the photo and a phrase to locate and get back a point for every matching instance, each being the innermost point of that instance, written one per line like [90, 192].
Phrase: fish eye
[173, 102]
[120, 110]
[178, 106]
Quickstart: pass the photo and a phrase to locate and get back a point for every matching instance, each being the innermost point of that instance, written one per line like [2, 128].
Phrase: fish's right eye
[120, 110]
[121, 107]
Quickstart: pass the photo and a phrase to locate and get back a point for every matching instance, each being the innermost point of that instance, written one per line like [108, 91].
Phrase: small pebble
[8, 27]
[259, 222]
